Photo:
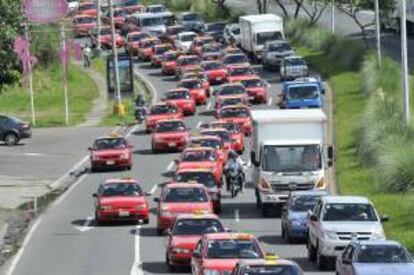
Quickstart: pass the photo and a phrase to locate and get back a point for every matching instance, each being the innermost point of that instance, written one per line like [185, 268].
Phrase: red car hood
[238, 120]
[189, 242]
[171, 135]
[237, 78]
[121, 201]
[256, 90]
[179, 102]
[169, 63]
[220, 264]
[110, 152]
[186, 207]
[213, 73]
[197, 91]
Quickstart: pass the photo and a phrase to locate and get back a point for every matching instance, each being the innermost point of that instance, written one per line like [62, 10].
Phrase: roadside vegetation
[373, 148]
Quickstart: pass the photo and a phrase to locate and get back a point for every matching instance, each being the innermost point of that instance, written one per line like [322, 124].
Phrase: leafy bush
[45, 43]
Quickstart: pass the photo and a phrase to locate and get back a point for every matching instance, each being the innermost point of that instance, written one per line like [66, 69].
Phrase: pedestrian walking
[86, 51]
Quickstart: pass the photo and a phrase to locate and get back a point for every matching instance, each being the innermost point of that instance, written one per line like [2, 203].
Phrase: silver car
[274, 52]
[232, 34]
[293, 67]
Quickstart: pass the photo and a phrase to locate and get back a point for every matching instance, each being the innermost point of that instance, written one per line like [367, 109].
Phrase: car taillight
[25, 125]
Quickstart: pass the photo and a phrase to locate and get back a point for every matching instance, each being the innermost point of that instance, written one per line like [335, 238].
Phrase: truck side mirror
[330, 152]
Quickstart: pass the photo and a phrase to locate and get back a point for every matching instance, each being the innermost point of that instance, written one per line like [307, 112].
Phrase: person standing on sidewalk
[86, 52]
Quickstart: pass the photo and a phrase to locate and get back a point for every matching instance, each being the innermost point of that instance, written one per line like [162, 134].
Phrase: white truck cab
[338, 220]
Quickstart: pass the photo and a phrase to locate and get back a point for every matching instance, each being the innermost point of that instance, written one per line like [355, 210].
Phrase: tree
[10, 26]
[261, 6]
[314, 9]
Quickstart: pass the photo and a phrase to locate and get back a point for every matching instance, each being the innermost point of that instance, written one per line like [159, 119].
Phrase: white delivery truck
[255, 30]
[289, 153]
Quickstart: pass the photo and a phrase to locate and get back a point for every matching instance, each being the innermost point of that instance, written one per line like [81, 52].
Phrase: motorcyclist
[140, 107]
[234, 162]
[140, 101]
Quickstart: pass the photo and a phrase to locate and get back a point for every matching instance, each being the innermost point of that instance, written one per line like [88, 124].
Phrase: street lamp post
[98, 25]
[378, 32]
[404, 62]
[119, 108]
[333, 16]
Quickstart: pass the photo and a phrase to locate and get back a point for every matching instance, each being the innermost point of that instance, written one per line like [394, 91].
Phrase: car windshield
[170, 57]
[189, 61]
[263, 37]
[187, 37]
[188, 227]
[217, 27]
[234, 112]
[148, 43]
[85, 20]
[302, 203]
[295, 62]
[279, 47]
[211, 66]
[87, 6]
[241, 71]
[235, 58]
[178, 95]
[224, 135]
[232, 101]
[272, 270]
[205, 178]
[126, 3]
[191, 84]
[153, 21]
[110, 143]
[233, 249]
[102, 31]
[156, 9]
[211, 49]
[335, 212]
[252, 83]
[303, 92]
[192, 17]
[175, 30]
[161, 49]
[199, 155]
[120, 189]
[170, 126]
[185, 194]
[163, 109]
[118, 13]
[137, 37]
[232, 90]
[382, 254]
[231, 127]
[288, 159]
[212, 143]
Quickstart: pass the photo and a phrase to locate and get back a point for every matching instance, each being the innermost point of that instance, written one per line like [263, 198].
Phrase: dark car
[12, 130]
[215, 29]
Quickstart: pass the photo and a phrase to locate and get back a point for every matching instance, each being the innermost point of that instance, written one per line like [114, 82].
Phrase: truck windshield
[298, 158]
[263, 37]
[303, 92]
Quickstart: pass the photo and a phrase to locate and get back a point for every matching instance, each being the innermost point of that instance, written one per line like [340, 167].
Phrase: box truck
[289, 153]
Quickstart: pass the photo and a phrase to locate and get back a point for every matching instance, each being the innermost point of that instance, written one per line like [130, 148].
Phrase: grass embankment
[48, 97]
[354, 176]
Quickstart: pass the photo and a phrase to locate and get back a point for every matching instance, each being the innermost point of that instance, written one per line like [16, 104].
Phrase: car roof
[264, 262]
[183, 184]
[198, 149]
[189, 12]
[197, 216]
[185, 33]
[230, 84]
[238, 106]
[213, 130]
[110, 181]
[229, 236]
[179, 89]
[204, 137]
[155, 6]
[345, 199]
[309, 193]
[169, 120]
[194, 170]
[276, 42]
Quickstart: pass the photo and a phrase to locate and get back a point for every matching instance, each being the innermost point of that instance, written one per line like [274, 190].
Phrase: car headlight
[295, 222]
[180, 250]
[124, 156]
[95, 157]
[378, 234]
[211, 272]
[105, 207]
[140, 207]
[330, 235]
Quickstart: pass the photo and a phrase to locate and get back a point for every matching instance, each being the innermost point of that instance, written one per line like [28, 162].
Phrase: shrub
[45, 43]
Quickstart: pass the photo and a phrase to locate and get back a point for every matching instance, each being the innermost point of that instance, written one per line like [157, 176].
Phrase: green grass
[48, 97]
[353, 177]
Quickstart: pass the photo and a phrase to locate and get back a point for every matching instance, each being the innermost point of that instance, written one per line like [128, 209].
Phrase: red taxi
[231, 89]
[131, 6]
[235, 73]
[214, 71]
[197, 45]
[185, 234]
[221, 133]
[105, 38]
[111, 152]
[133, 40]
[199, 75]
[256, 88]
[86, 8]
[83, 25]
[161, 111]
[239, 114]
[236, 134]
[169, 62]
[121, 200]
[172, 31]
[119, 17]
[158, 53]
[231, 50]
[202, 157]
[181, 98]
[214, 142]
[169, 135]
[224, 101]
[146, 46]
[218, 253]
[186, 63]
[197, 91]
[180, 198]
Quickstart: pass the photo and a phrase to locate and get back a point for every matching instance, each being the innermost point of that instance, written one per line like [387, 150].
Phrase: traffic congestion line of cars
[289, 154]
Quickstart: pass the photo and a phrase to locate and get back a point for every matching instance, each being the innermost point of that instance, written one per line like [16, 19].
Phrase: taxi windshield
[232, 90]
[85, 20]
[185, 194]
[252, 83]
[235, 58]
[241, 71]
[170, 57]
[194, 84]
[188, 227]
[231, 101]
[120, 189]
[233, 249]
[212, 143]
[234, 112]
[163, 109]
[383, 254]
[178, 95]
[152, 21]
[148, 43]
[272, 270]
[110, 143]
[224, 135]
[211, 66]
[303, 203]
[199, 155]
[205, 178]
[218, 27]
[189, 61]
[303, 92]
[170, 126]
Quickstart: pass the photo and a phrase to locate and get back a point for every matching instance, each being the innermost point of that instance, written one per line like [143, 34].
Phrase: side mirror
[330, 152]
[156, 199]
[90, 148]
[253, 158]
[313, 218]
[384, 218]
[226, 229]
[94, 195]
[197, 254]
[163, 99]
[177, 161]
[168, 232]
[147, 194]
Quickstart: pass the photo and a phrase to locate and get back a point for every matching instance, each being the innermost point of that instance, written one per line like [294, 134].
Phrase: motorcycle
[140, 113]
[234, 180]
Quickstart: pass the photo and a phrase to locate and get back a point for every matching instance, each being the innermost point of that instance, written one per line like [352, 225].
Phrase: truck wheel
[311, 252]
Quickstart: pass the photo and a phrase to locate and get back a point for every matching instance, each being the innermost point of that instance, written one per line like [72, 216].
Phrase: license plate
[251, 97]
[172, 144]
[122, 213]
[110, 162]
[219, 78]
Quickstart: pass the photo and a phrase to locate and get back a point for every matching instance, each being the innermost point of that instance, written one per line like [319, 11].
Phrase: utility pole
[119, 108]
[404, 62]
[98, 25]
[378, 31]
[64, 72]
[31, 95]
[333, 16]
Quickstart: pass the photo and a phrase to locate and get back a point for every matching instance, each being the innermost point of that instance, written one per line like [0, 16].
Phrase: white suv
[338, 220]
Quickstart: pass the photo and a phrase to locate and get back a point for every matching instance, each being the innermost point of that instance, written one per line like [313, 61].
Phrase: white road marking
[170, 166]
[136, 266]
[270, 101]
[86, 226]
[236, 215]
[209, 105]
[34, 154]
[154, 188]
[199, 124]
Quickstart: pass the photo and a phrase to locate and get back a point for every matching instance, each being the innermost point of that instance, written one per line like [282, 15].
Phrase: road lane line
[199, 124]
[236, 215]
[154, 188]
[270, 101]
[170, 166]
[209, 105]
[136, 266]
[86, 226]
